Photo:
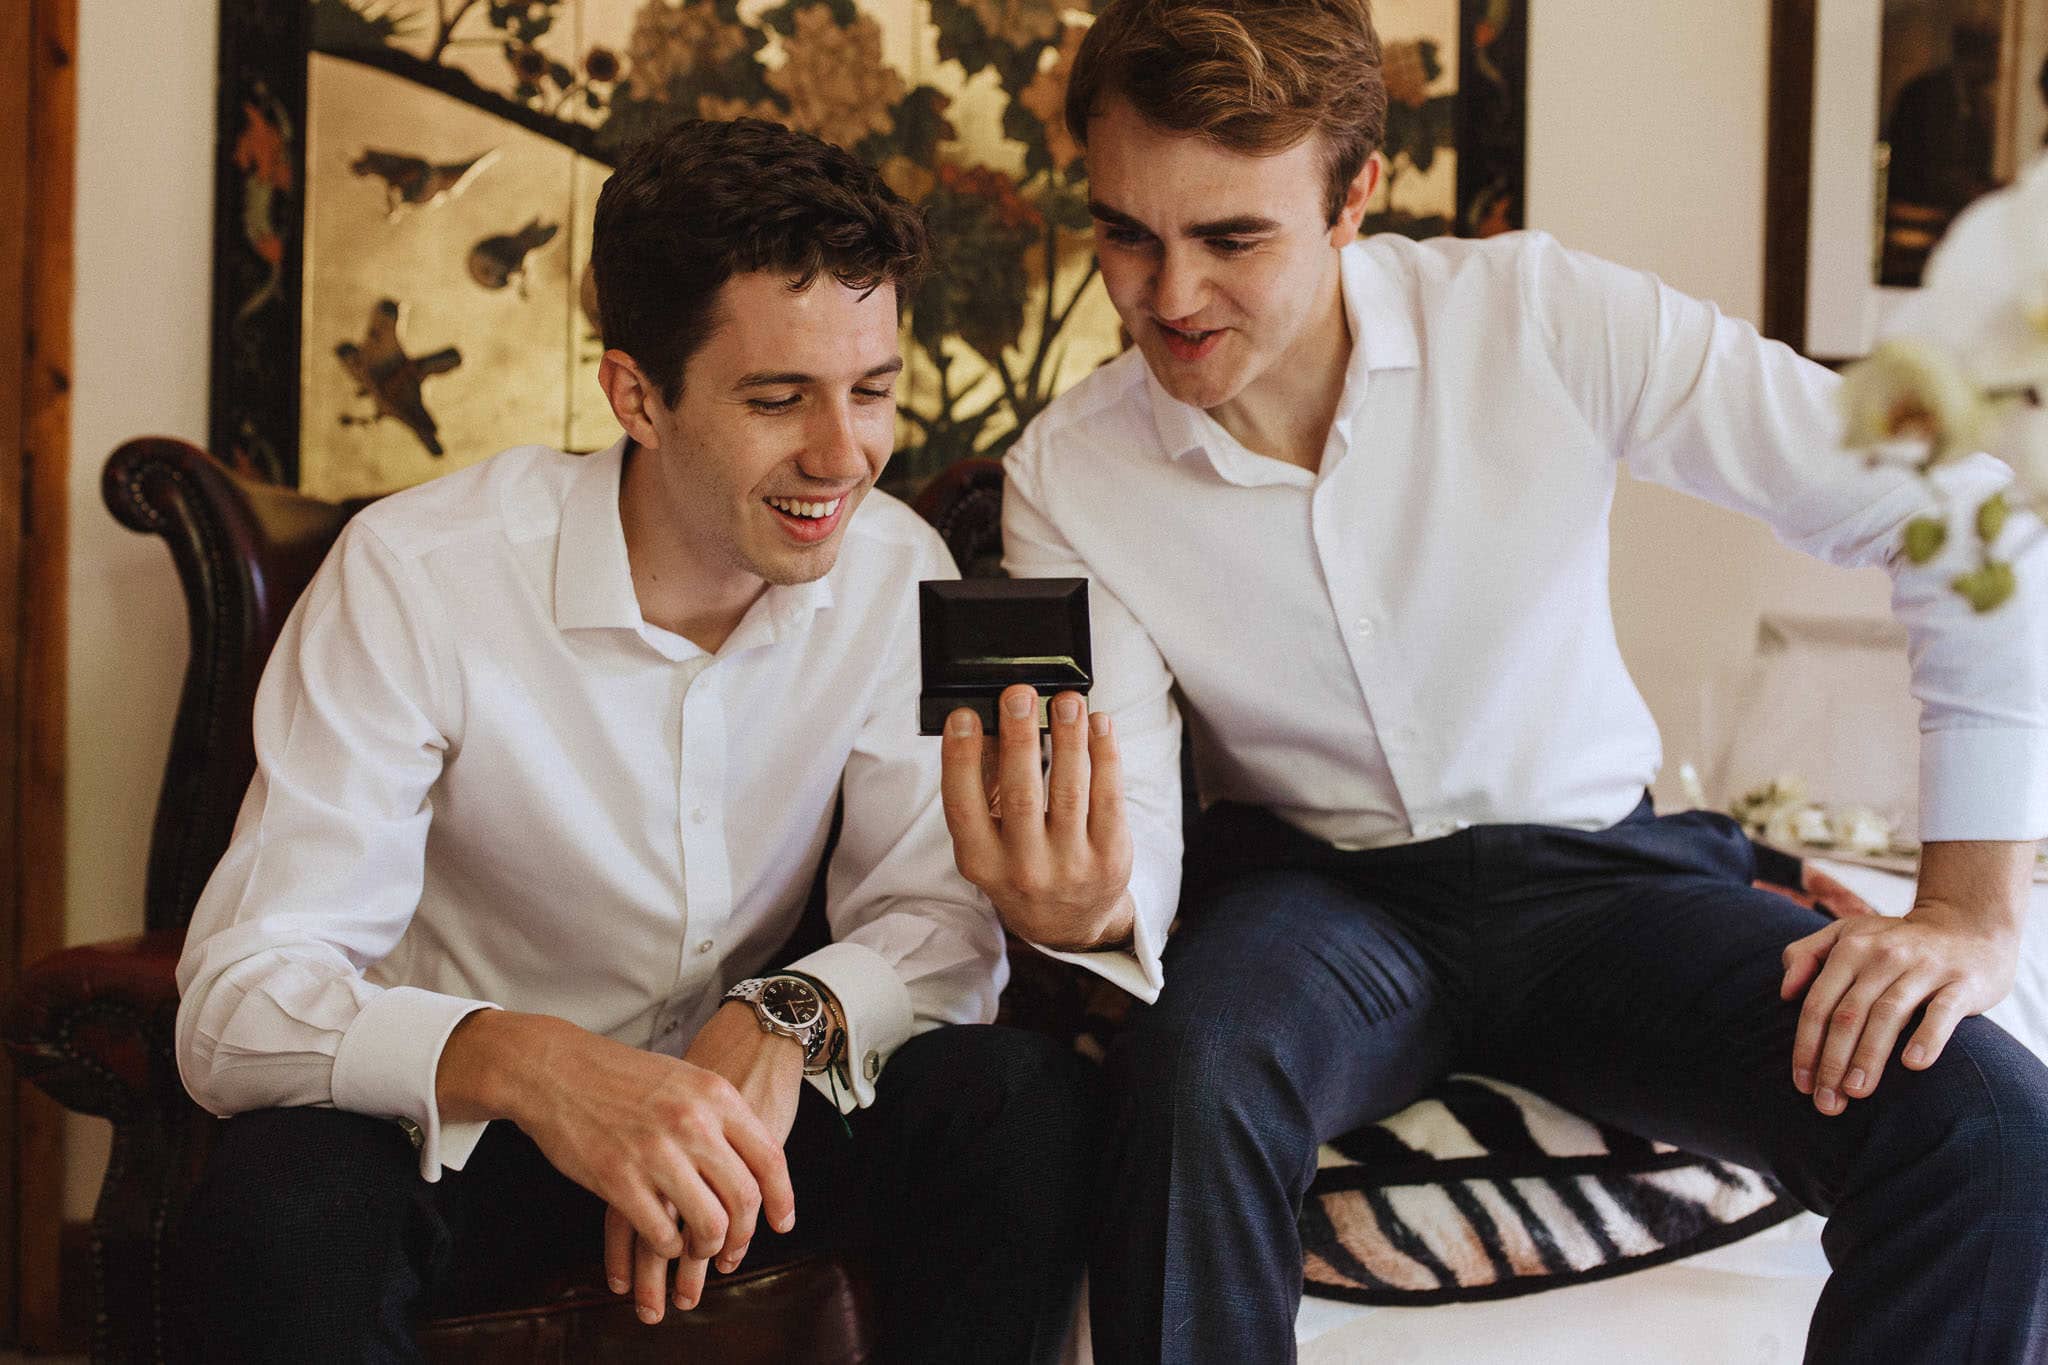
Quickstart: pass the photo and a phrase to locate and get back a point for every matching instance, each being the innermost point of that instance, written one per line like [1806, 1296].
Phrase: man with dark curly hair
[548, 754]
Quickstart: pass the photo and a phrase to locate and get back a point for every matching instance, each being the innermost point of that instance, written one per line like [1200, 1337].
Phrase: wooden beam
[14, 102]
[1788, 169]
[40, 701]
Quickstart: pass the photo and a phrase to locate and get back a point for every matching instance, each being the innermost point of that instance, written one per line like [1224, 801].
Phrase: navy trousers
[312, 1237]
[1629, 974]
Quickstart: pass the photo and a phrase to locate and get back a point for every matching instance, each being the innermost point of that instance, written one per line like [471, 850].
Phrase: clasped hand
[685, 1154]
[1051, 850]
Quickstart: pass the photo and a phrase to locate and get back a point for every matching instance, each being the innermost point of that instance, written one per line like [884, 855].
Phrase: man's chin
[1200, 385]
[789, 567]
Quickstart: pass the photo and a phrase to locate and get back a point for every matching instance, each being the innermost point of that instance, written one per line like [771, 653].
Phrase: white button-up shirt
[1417, 636]
[483, 779]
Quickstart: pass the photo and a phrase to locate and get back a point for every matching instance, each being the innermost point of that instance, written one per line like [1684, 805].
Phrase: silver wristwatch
[795, 1007]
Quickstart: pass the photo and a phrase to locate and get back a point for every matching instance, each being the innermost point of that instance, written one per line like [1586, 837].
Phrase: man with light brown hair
[1346, 505]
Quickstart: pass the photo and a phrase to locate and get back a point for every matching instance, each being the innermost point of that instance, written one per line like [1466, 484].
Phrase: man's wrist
[1115, 932]
[1981, 885]
[492, 1062]
[834, 1046]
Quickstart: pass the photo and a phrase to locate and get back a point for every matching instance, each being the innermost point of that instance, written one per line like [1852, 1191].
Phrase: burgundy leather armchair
[92, 1026]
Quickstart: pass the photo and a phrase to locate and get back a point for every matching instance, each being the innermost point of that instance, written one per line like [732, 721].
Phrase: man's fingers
[1888, 1017]
[770, 1169]
[1853, 1017]
[703, 1216]
[650, 1278]
[653, 1220]
[689, 1282]
[733, 1183]
[1066, 788]
[729, 1261]
[1023, 786]
[1803, 958]
[1944, 1012]
[1106, 827]
[961, 789]
[1821, 998]
[618, 1250]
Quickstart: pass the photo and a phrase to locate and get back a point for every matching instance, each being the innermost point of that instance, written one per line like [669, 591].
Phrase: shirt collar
[1382, 338]
[593, 580]
[594, 577]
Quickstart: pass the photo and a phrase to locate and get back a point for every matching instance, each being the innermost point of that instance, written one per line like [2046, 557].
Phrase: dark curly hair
[702, 201]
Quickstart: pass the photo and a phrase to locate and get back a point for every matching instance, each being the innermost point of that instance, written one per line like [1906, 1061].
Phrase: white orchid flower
[1910, 403]
[1985, 294]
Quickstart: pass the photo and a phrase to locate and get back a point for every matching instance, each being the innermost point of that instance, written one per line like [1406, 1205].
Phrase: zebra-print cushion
[1479, 1190]
[1482, 1190]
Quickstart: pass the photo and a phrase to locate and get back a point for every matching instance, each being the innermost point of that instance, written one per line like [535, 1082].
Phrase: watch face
[790, 1002]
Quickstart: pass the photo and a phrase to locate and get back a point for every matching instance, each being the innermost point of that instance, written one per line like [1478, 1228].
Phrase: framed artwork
[405, 191]
[1888, 117]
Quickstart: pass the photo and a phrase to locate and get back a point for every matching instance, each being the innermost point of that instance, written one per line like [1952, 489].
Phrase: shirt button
[1364, 625]
[704, 947]
[697, 815]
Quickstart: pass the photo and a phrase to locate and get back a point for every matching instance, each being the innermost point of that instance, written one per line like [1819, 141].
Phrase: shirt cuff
[1137, 969]
[1980, 783]
[386, 1067]
[876, 1006]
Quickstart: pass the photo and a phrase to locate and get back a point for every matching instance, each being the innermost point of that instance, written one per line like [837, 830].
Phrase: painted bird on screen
[415, 182]
[497, 261]
[390, 378]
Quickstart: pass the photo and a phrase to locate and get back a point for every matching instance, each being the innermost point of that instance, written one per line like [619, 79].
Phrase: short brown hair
[691, 207]
[1254, 77]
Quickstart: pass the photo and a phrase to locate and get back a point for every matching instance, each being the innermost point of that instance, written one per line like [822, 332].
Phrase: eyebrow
[762, 379]
[1240, 225]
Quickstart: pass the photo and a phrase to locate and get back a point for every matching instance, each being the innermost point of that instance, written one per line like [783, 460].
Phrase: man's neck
[1286, 414]
[677, 591]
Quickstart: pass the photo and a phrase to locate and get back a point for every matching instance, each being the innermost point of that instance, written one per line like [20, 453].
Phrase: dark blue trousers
[1629, 974]
[964, 1186]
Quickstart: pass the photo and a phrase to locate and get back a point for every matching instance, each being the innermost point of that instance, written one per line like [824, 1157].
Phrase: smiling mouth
[808, 521]
[1186, 344]
[806, 510]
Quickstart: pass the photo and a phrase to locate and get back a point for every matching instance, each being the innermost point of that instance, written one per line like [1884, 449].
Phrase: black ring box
[981, 635]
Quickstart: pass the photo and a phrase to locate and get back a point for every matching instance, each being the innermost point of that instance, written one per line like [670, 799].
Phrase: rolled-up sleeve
[916, 945]
[1134, 686]
[1699, 402]
[323, 874]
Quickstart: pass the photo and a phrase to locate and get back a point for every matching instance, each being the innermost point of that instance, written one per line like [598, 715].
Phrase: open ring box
[981, 635]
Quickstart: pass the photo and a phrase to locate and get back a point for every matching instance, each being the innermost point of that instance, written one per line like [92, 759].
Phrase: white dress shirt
[484, 780]
[1417, 636]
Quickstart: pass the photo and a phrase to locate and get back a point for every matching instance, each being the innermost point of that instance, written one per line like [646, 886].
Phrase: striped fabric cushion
[1479, 1190]
[1483, 1190]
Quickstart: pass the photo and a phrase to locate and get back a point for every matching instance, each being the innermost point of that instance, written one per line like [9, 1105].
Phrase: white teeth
[809, 510]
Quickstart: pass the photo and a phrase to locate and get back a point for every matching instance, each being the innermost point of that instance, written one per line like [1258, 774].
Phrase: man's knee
[1982, 1109]
[1002, 1083]
[1200, 1075]
[295, 1202]
[997, 1123]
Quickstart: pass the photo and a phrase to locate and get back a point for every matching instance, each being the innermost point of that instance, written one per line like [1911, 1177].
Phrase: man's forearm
[1984, 881]
[490, 1064]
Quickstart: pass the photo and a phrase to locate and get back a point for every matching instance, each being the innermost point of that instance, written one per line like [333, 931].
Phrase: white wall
[144, 214]
[1646, 139]
[1646, 145]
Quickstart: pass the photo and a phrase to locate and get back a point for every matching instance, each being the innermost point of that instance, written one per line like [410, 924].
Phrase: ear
[635, 401]
[1356, 196]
